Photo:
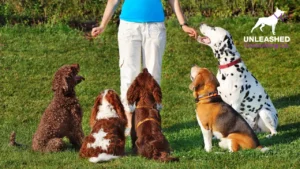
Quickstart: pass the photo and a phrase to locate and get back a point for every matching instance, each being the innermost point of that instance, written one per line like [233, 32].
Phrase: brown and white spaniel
[145, 96]
[106, 140]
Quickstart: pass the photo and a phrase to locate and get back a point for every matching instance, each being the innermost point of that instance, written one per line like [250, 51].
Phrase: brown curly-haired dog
[146, 135]
[63, 116]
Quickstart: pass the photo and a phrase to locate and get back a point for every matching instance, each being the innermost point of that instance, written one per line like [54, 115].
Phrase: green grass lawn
[29, 57]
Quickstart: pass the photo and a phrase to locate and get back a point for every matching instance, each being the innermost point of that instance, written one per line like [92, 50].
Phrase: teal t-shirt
[142, 11]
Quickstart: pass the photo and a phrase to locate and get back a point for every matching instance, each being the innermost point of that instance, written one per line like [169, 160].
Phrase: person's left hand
[191, 31]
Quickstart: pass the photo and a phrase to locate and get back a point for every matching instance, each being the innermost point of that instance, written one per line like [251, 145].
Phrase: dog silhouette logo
[270, 21]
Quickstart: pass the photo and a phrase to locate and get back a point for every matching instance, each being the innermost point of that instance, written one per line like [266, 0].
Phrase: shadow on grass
[180, 126]
[287, 101]
[286, 134]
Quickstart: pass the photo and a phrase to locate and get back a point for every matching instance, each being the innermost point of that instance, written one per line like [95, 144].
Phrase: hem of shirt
[142, 21]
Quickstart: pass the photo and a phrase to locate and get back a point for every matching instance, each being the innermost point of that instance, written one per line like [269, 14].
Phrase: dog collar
[202, 97]
[230, 64]
[147, 119]
[278, 17]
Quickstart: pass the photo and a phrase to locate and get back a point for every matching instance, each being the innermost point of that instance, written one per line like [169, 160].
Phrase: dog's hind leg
[268, 121]
[262, 25]
[256, 25]
[54, 145]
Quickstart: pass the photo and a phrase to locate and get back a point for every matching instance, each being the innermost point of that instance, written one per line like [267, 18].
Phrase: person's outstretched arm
[177, 10]
[108, 13]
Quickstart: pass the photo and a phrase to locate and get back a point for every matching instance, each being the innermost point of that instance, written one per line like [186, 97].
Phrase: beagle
[215, 117]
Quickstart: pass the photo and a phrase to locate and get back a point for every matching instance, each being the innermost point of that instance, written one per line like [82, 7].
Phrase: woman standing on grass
[141, 39]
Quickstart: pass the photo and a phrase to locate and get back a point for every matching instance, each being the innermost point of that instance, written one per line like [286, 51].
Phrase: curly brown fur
[147, 137]
[107, 139]
[63, 116]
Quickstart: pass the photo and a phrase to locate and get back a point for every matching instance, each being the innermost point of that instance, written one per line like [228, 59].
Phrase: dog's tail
[263, 149]
[102, 157]
[12, 140]
[165, 157]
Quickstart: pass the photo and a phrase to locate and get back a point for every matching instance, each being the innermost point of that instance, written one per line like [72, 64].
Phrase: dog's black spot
[267, 97]
[231, 59]
[248, 106]
[223, 77]
[242, 89]
[236, 65]
[240, 75]
[231, 74]
[248, 87]
[254, 119]
[268, 108]
[242, 105]
[268, 104]
[260, 96]
[226, 59]
[230, 94]
[246, 81]
[242, 109]
[246, 95]
[256, 111]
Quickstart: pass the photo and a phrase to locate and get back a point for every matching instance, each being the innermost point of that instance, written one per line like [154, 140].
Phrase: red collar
[230, 64]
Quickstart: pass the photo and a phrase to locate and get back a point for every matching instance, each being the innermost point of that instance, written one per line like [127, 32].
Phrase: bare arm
[178, 12]
[108, 13]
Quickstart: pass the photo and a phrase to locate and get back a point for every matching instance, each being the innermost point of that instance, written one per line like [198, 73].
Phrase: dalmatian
[238, 87]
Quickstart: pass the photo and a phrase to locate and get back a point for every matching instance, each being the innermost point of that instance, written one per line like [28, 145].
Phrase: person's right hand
[96, 31]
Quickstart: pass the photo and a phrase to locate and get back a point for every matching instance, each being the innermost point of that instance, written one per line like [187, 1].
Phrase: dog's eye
[192, 79]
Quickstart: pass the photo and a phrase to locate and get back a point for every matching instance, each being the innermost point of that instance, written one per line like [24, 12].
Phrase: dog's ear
[213, 79]
[133, 92]
[60, 81]
[198, 82]
[119, 108]
[95, 110]
[157, 94]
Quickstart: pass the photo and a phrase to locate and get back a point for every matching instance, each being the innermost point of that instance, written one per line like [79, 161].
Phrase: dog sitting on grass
[63, 116]
[215, 117]
[146, 135]
[107, 138]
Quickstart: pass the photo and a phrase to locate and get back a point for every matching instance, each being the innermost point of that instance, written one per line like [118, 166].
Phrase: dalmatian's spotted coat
[238, 87]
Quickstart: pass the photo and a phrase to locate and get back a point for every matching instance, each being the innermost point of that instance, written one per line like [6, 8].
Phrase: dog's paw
[208, 149]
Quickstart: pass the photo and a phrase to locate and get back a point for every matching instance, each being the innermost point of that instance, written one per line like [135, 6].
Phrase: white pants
[141, 45]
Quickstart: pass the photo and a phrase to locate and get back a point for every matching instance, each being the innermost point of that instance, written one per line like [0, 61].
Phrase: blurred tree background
[86, 13]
